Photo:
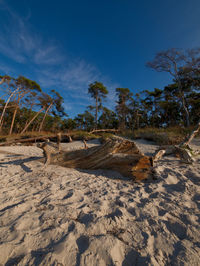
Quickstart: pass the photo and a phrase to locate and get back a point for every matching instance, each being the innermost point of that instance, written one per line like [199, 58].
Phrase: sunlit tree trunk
[20, 96]
[35, 116]
[5, 106]
[96, 113]
[192, 134]
[13, 120]
[47, 110]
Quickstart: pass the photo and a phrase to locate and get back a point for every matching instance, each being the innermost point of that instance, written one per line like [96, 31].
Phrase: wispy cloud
[21, 44]
[48, 64]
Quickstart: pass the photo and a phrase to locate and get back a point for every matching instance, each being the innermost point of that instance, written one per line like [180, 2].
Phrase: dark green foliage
[124, 97]
[108, 119]
[177, 104]
[85, 121]
[69, 124]
[97, 91]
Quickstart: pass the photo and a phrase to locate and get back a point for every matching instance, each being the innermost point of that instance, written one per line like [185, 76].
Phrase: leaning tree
[27, 88]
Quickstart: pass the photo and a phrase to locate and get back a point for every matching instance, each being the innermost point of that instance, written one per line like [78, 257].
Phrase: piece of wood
[103, 130]
[70, 138]
[158, 155]
[33, 139]
[182, 152]
[115, 154]
[85, 144]
[59, 138]
[23, 140]
[190, 137]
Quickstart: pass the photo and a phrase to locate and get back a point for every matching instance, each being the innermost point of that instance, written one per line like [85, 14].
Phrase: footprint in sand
[69, 194]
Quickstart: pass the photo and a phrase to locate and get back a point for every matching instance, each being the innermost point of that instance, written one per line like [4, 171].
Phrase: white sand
[59, 216]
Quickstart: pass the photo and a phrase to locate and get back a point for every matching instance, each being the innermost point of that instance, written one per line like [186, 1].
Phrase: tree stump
[115, 154]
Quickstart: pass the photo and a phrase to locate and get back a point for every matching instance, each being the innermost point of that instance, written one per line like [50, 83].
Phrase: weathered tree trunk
[115, 154]
[26, 127]
[103, 130]
[85, 144]
[187, 116]
[183, 150]
[96, 113]
[183, 153]
[192, 135]
[41, 125]
[13, 120]
[5, 106]
[59, 138]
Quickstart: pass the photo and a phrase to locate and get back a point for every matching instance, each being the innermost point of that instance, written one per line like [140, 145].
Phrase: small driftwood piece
[70, 138]
[85, 144]
[184, 154]
[183, 151]
[49, 149]
[115, 154]
[59, 138]
[191, 135]
[103, 130]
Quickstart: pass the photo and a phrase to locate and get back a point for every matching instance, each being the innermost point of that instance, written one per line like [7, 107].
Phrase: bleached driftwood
[34, 139]
[85, 144]
[103, 130]
[115, 154]
[183, 151]
[190, 137]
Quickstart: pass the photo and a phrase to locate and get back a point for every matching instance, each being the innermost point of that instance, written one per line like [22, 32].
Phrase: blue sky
[65, 45]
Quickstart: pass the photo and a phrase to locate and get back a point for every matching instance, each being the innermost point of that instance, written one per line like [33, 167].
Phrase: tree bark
[115, 154]
[192, 135]
[13, 120]
[41, 125]
[96, 114]
[20, 96]
[26, 127]
[4, 109]
[104, 130]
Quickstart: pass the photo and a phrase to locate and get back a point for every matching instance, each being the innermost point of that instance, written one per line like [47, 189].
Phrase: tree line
[24, 106]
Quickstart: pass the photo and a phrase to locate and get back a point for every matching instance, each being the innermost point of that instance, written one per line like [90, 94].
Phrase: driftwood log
[183, 151]
[34, 139]
[115, 154]
[103, 130]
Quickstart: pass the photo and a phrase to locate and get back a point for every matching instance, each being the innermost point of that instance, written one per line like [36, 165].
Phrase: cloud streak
[22, 45]
[50, 67]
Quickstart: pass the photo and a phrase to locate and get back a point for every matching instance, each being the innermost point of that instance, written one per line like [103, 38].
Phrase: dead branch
[103, 130]
[191, 135]
[33, 139]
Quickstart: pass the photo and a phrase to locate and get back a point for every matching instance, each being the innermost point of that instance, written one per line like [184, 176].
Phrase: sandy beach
[51, 215]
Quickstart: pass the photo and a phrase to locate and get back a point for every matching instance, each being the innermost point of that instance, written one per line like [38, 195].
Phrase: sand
[60, 216]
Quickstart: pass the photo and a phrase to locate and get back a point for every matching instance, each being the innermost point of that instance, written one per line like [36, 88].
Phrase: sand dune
[59, 216]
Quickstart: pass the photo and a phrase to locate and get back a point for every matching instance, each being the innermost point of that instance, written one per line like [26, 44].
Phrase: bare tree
[172, 61]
